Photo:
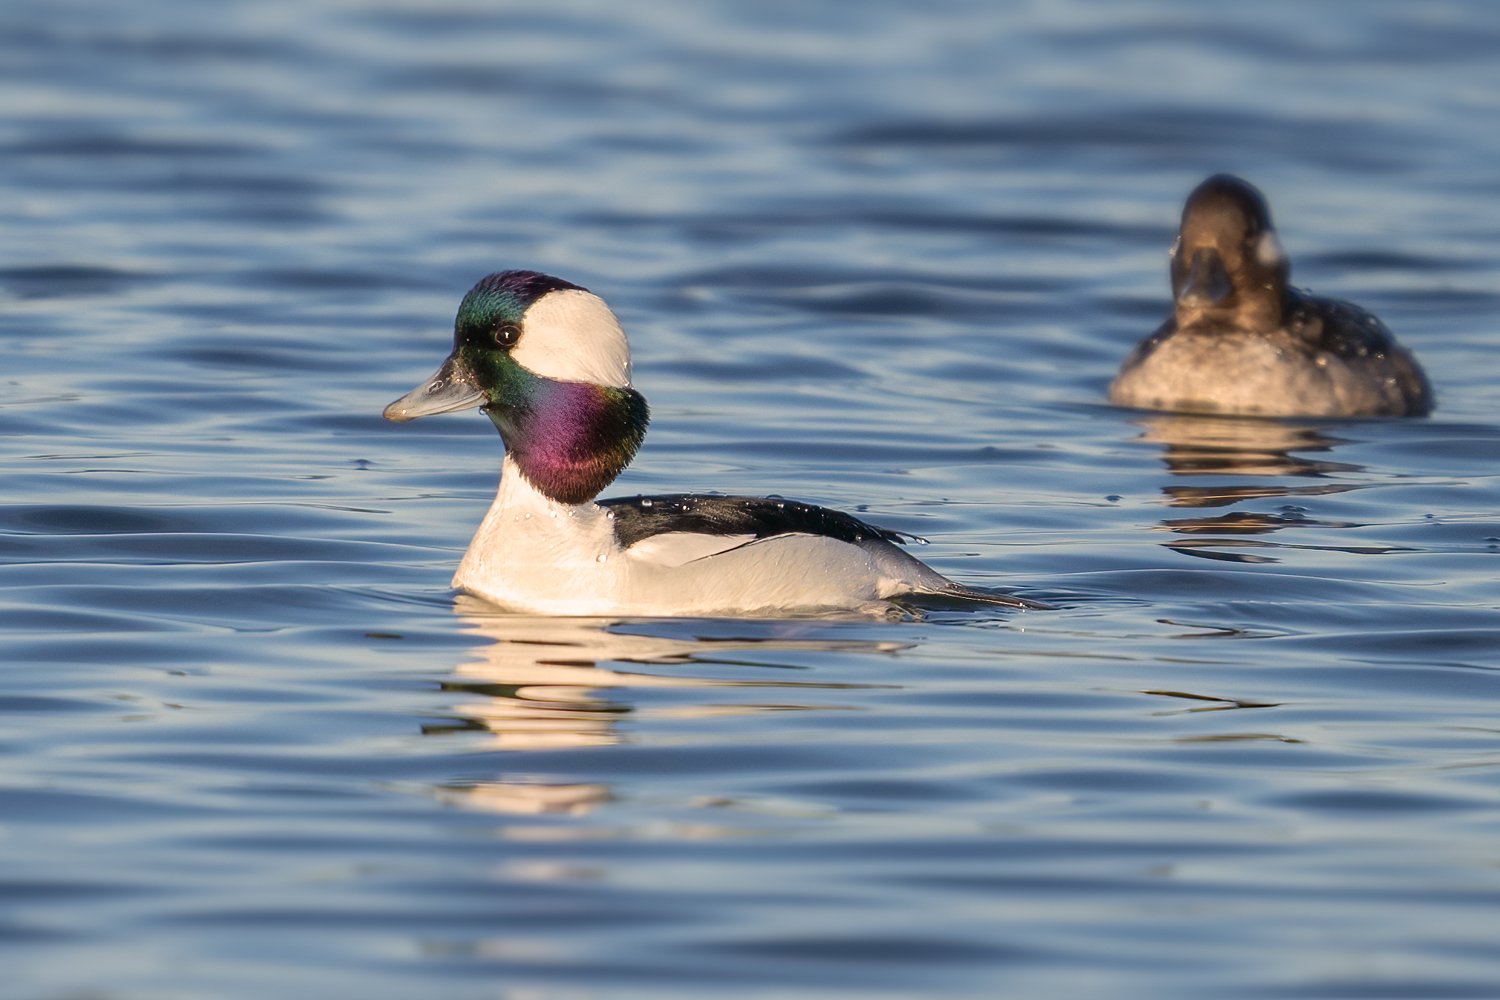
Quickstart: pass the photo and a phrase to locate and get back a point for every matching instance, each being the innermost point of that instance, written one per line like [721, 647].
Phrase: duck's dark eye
[506, 335]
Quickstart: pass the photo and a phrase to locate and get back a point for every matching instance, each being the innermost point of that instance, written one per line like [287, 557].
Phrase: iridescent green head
[550, 365]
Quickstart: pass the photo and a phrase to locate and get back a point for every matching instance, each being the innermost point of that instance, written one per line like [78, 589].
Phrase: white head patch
[571, 335]
[1268, 249]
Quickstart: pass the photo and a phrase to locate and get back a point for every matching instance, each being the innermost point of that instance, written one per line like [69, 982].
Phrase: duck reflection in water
[1252, 447]
[546, 683]
[1245, 446]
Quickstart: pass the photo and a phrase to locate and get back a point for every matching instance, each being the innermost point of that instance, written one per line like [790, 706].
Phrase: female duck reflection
[544, 683]
[1245, 446]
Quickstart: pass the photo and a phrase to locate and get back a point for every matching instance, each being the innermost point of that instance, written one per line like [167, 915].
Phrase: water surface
[888, 263]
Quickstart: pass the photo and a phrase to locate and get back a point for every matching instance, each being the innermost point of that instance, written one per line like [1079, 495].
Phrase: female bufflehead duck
[548, 363]
[1241, 340]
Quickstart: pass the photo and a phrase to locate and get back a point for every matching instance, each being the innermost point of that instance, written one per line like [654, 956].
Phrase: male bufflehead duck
[1243, 341]
[549, 364]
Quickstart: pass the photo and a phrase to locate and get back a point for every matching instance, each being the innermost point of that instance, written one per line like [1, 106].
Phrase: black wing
[1336, 327]
[637, 518]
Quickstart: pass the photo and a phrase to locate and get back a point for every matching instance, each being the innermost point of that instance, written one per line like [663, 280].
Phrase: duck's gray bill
[448, 390]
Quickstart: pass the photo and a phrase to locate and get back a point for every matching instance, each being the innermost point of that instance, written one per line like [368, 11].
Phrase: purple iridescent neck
[570, 439]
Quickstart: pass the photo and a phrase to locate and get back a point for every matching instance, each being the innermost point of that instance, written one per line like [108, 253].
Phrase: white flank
[676, 548]
[534, 554]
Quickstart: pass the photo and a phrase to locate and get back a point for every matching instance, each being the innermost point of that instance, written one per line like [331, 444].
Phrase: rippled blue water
[882, 256]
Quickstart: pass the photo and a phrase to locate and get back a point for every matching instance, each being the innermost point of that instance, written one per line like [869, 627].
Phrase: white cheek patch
[1176, 249]
[1268, 249]
[573, 336]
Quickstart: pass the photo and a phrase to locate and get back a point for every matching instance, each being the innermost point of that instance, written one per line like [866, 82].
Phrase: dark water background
[883, 256]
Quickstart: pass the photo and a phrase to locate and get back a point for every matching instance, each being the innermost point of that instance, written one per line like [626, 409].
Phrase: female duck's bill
[549, 364]
[1241, 340]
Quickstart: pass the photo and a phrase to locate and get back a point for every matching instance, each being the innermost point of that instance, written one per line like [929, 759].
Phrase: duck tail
[962, 593]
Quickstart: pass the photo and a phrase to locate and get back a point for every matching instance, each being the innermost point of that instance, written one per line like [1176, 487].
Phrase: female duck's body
[548, 363]
[1243, 341]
